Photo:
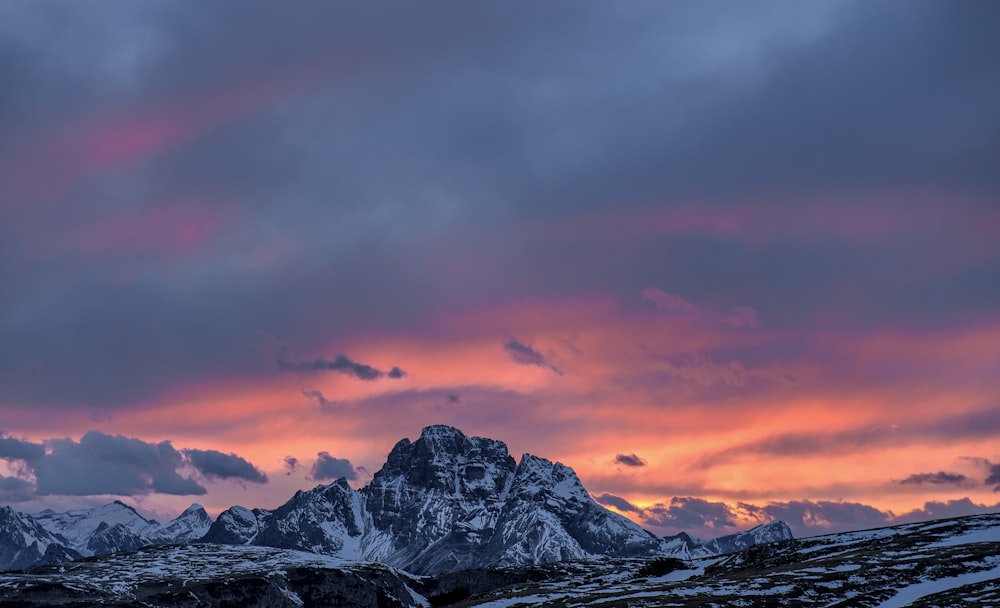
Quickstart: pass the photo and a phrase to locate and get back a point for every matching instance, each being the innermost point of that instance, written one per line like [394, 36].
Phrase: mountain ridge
[442, 503]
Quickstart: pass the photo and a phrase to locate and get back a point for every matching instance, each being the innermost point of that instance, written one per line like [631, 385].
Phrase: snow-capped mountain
[442, 503]
[952, 562]
[50, 537]
[767, 533]
[24, 542]
[449, 502]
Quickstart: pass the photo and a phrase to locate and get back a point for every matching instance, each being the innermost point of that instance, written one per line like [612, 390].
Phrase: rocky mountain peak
[445, 460]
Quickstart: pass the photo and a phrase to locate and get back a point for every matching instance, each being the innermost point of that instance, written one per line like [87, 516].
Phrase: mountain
[448, 502]
[443, 503]
[953, 562]
[51, 537]
[24, 542]
[772, 532]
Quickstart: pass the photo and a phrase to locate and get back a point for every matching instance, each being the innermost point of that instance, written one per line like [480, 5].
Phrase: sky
[729, 261]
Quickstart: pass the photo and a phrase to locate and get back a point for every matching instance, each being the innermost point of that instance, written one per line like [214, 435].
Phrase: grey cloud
[688, 512]
[485, 116]
[939, 478]
[454, 398]
[943, 510]
[17, 449]
[291, 463]
[994, 477]
[320, 398]
[218, 465]
[630, 460]
[112, 464]
[617, 502]
[328, 467]
[807, 518]
[524, 354]
[13, 489]
[340, 363]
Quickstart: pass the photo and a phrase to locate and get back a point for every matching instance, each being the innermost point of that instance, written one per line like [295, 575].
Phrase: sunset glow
[695, 276]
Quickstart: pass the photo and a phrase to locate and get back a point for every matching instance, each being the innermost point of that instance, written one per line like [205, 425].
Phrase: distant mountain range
[442, 503]
[941, 563]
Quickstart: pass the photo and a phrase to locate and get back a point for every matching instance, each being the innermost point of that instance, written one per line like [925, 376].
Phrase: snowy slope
[24, 542]
[944, 563]
[59, 537]
[952, 562]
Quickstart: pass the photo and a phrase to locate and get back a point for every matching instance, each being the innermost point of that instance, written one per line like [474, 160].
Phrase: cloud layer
[759, 243]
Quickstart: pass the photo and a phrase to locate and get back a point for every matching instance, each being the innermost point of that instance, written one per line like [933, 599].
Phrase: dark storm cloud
[523, 354]
[327, 467]
[342, 364]
[942, 510]
[217, 465]
[630, 460]
[13, 489]
[17, 449]
[115, 464]
[807, 517]
[688, 512]
[617, 502]
[112, 464]
[939, 478]
[486, 119]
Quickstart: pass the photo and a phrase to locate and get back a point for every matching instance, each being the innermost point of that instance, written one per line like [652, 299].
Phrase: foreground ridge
[952, 562]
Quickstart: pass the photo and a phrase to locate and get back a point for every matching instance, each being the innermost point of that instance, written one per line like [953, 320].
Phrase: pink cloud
[165, 227]
[865, 218]
[52, 163]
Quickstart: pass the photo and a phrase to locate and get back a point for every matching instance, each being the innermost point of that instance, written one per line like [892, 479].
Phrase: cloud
[291, 464]
[943, 510]
[115, 464]
[739, 317]
[217, 465]
[690, 513]
[340, 363]
[321, 399]
[13, 489]
[523, 354]
[17, 449]
[630, 460]
[939, 478]
[969, 424]
[617, 502]
[807, 517]
[328, 467]
[994, 477]
[454, 398]
[112, 464]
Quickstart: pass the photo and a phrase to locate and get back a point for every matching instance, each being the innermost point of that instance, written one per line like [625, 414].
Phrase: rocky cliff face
[446, 502]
